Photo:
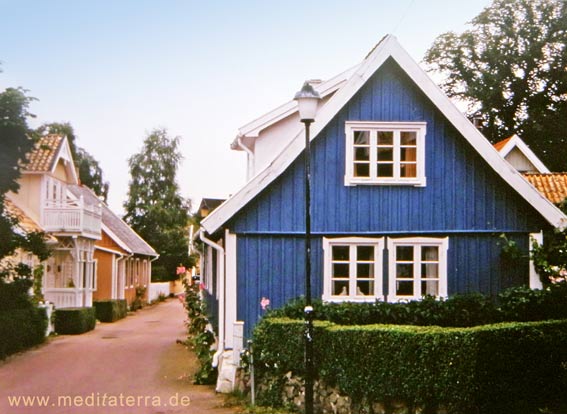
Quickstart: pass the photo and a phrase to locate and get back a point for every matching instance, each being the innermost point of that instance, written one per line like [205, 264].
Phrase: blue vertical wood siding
[463, 199]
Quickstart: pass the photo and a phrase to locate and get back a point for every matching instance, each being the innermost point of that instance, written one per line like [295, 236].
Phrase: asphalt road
[131, 366]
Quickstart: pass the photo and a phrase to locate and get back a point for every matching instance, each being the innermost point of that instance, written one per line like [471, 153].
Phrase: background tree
[154, 208]
[511, 70]
[90, 172]
[16, 140]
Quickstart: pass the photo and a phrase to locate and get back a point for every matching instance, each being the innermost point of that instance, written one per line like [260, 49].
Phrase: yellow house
[75, 224]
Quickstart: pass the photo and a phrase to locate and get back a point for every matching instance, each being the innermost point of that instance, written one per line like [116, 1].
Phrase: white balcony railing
[72, 216]
[68, 297]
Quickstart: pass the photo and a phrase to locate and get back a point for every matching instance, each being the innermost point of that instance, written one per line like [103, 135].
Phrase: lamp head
[307, 100]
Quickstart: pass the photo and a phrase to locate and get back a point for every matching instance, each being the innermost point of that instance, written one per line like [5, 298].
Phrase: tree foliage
[511, 70]
[90, 172]
[154, 208]
[16, 140]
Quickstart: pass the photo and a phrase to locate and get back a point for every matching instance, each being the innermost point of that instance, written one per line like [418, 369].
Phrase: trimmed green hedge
[74, 321]
[500, 368]
[21, 329]
[111, 310]
[519, 304]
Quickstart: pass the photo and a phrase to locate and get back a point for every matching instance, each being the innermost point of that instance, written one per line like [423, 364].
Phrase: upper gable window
[385, 153]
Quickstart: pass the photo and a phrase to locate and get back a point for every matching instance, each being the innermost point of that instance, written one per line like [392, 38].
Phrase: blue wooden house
[408, 199]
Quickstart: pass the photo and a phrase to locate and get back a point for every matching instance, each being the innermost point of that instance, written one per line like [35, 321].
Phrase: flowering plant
[264, 303]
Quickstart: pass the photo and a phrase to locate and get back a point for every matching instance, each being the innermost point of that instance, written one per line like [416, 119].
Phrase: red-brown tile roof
[42, 157]
[24, 221]
[553, 185]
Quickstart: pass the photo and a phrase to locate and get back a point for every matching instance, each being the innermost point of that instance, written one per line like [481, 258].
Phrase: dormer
[265, 137]
[520, 156]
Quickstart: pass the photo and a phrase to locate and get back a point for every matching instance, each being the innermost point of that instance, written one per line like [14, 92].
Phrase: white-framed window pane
[385, 170]
[352, 268]
[364, 270]
[365, 288]
[340, 288]
[430, 287]
[404, 288]
[385, 153]
[419, 265]
[429, 270]
[361, 138]
[365, 253]
[362, 154]
[362, 170]
[341, 270]
[408, 170]
[408, 138]
[341, 253]
[385, 138]
[404, 253]
[430, 253]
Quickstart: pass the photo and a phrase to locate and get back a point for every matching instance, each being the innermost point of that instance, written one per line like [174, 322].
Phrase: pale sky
[116, 69]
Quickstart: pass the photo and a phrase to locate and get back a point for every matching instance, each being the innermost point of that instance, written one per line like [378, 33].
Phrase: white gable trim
[388, 47]
[516, 142]
[64, 153]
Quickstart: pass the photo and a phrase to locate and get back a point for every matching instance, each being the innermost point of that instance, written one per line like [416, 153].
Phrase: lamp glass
[307, 108]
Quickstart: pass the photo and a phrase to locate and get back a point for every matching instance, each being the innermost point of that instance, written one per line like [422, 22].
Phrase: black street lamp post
[308, 99]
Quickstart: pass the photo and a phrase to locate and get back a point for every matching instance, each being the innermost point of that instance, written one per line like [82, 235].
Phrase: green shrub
[509, 367]
[21, 329]
[111, 310]
[74, 321]
[199, 335]
[518, 304]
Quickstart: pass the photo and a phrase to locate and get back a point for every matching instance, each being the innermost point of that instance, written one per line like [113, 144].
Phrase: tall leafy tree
[511, 70]
[90, 172]
[16, 140]
[154, 208]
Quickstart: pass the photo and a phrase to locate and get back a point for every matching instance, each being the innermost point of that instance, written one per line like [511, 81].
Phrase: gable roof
[387, 48]
[114, 226]
[505, 146]
[46, 154]
[553, 185]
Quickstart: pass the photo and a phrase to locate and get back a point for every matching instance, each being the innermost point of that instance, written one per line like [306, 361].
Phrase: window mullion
[373, 150]
[352, 270]
[417, 270]
[397, 154]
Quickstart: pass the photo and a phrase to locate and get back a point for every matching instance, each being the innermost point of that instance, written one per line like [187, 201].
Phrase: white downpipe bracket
[220, 265]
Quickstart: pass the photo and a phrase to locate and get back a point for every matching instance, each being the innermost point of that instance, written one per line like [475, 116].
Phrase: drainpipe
[222, 311]
[250, 156]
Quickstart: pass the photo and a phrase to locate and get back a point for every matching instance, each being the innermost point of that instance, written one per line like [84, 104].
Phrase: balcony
[72, 217]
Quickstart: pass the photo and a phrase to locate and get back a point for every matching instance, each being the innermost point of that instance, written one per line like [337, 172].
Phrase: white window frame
[353, 242]
[442, 243]
[373, 127]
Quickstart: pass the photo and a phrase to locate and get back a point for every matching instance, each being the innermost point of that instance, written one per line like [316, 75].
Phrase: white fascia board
[516, 142]
[65, 153]
[116, 239]
[388, 47]
[549, 211]
[254, 128]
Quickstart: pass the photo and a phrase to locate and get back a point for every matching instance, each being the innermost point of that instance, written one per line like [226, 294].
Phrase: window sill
[357, 299]
[418, 182]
